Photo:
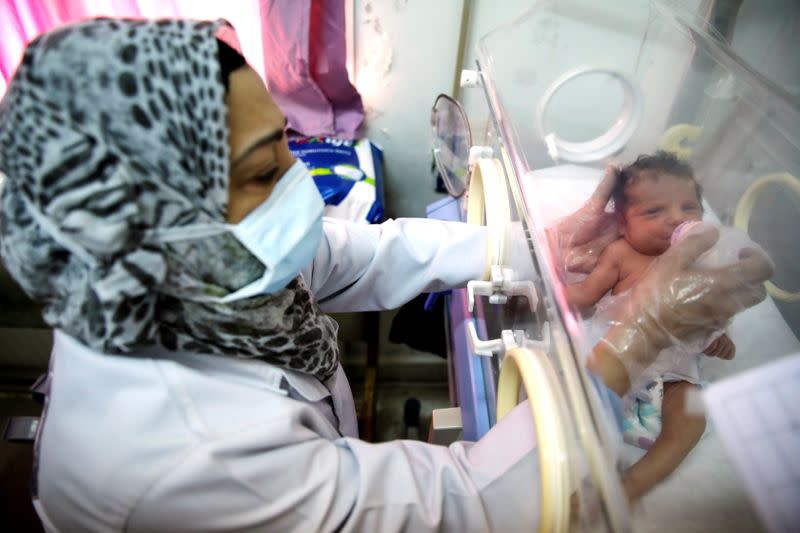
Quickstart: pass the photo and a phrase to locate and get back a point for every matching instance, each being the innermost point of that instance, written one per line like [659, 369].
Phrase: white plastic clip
[502, 284]
[479, 152]
[552, 147]
[508, 339]
[470, 78]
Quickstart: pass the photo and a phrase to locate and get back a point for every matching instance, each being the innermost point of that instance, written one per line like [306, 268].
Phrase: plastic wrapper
[348, 174]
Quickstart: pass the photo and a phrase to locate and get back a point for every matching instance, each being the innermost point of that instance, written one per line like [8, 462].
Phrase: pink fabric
[22, 20]
[286, 56]
[303, 43]
[304, 61]
[227, 34]
[329, 67]
[25, 19]
[13, 39]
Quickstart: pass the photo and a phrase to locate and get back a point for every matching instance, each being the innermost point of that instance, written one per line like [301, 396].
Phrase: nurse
[152, 205]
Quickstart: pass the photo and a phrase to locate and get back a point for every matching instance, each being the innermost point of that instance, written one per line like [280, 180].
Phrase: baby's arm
[601, 280]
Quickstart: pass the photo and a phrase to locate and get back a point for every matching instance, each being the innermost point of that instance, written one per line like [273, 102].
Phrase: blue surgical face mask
[283, 232]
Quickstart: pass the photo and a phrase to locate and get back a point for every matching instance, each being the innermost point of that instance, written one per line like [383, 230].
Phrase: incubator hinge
[508, 339]
[470, 78]
[502, 284]
[479, 152]
[552, 148]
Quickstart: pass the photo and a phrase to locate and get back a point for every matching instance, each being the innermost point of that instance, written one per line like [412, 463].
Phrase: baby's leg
[680, 431]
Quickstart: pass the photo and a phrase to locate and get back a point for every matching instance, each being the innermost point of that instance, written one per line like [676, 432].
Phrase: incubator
[565, 89]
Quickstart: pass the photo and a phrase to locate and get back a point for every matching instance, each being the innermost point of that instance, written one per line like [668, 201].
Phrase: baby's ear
[623, 227]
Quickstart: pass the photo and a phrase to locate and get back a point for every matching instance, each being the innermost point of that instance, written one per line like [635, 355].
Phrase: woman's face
[259, 152]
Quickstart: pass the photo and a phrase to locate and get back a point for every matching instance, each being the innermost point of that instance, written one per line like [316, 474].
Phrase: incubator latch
[479, 152]
[508, 340]
[552, 147]
[502, 284]
[470, 78]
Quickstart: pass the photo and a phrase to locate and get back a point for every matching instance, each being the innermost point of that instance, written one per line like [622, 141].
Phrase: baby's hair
[649, 166]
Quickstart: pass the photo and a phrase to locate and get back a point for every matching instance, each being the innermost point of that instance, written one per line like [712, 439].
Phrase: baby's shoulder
[617, 250]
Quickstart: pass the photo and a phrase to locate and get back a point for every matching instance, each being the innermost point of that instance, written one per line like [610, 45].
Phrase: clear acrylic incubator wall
[556, 95]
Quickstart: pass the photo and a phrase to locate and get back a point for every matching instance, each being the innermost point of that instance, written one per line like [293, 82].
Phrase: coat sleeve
[375, 267]
[289, 477]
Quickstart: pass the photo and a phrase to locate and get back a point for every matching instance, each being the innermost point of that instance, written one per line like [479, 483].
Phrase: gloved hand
[581, 237]
[722, 347]
[679, 302]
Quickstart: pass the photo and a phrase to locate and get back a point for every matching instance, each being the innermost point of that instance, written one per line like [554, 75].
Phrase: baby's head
[652, 197]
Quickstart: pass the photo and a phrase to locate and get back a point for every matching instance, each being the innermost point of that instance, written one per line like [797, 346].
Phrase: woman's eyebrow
[266, 139]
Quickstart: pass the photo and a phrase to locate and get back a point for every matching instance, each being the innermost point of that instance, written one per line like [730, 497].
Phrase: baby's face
[655, 208]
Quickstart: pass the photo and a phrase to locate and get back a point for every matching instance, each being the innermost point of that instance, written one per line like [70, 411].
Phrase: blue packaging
[348, 174]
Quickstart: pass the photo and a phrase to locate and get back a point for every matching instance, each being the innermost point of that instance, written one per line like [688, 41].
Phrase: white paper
[757, 417]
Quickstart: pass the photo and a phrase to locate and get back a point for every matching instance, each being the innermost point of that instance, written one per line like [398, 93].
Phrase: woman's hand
[678, 302]
[581, 237]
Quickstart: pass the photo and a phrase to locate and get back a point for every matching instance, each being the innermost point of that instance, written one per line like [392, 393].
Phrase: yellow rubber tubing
[745, 208]
[529, 366]
[673, 139]
[487, 203]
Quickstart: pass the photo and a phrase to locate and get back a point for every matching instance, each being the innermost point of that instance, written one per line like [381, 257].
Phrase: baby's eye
[652, 211]
[691, 208]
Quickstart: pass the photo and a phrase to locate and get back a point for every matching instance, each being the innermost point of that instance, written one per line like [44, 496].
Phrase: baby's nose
[676, 217]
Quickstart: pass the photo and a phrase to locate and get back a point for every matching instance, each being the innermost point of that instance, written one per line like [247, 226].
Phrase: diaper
[642, 412]
[642, 408]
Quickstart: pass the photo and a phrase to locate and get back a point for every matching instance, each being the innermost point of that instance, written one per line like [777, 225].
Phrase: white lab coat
[180, 441]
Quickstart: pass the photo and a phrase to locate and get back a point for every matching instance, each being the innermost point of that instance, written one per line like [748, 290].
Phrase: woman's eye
[266, 178]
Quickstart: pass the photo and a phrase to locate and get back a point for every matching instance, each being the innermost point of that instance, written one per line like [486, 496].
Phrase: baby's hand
[722, 347]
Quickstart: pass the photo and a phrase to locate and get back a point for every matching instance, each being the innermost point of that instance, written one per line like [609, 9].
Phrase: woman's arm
[373, 267]
[286, 475]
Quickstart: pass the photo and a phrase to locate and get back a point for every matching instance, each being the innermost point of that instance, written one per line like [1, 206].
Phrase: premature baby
[652, 197]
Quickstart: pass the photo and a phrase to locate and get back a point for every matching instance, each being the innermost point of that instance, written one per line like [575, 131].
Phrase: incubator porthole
[761, 210]
[581, 130]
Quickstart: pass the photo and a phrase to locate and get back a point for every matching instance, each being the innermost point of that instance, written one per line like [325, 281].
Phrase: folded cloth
[304, 62]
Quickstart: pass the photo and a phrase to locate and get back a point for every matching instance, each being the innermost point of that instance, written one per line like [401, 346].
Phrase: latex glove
[722, 347]
[679, 302]
[581, 237]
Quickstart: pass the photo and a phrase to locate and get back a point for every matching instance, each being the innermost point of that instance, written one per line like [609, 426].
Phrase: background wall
[405, 55]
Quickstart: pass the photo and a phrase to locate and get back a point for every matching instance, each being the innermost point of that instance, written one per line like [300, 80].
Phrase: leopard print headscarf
[111, 128]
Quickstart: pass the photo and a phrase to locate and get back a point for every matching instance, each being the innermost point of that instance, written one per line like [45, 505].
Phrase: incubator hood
[567, 88]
